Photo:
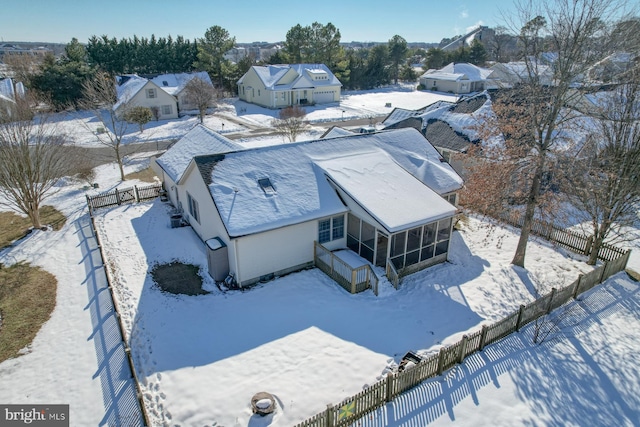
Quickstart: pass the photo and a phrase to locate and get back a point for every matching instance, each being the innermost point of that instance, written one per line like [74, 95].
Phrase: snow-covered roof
[270, 75]
[335, 132]
[6, 89]
[299, 190]
[458, 71]
[198, 141]
[127, 87]
[174, 83]
[390, 194]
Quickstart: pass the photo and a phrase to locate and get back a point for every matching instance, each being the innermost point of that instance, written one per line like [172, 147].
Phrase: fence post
[578, 284]
[88, 204]
[389, 394]
[589, 245]
[118, 197]
[606, 264]
[329, 416]
[626, 261]
[463, 348]
[553, 294]
[441, 361]
[483, 336]
[353, 281]
[519, 321]
[135, 190]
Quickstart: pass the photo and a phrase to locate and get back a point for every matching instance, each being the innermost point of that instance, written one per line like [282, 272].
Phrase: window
[331, 229]
[267, 186]
[338, 228]
[167, 109]
[324, 230]
[258, 92]
[193, 208]
[151, 93]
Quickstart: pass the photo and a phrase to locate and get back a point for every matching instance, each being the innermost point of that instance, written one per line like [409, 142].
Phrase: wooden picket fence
[351, 409]
[568, 239]
[121, 196]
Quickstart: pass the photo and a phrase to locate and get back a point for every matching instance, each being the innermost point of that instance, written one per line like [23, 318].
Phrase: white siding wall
[161, 99]
[280, 249]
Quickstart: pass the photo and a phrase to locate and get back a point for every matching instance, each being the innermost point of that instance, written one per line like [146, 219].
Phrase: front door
[381, 250]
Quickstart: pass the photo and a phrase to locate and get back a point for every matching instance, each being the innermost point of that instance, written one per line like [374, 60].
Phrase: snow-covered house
[456, 78]
[278, 86]
[136, 91]
[508, 75]
[164, 94]
[174, 84]
[387, 196]
[10, 90]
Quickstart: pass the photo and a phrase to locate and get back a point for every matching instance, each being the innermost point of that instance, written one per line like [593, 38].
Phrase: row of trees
[142, 55]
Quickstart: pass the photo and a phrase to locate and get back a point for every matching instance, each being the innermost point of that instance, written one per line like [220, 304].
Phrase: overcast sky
[248, 20]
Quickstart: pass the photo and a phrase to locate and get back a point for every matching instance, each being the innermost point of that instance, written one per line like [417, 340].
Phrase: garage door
[323, 97]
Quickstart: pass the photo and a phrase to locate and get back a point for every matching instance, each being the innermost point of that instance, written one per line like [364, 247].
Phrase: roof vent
[165, 83]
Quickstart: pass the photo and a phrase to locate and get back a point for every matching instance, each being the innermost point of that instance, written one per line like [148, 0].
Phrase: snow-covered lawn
[301, 337]
[234, 116]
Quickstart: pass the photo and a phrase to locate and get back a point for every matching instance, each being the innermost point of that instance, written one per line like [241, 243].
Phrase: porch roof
[390, 194]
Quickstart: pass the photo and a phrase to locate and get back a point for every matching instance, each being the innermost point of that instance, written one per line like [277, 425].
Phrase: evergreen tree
[211, 49]
[397, 54]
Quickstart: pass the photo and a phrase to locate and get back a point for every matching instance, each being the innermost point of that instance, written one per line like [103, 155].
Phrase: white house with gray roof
[164, 94]
[389, 197]
[280, 86]
[456, 78]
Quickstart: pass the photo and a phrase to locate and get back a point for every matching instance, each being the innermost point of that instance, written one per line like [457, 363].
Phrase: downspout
[235, 251]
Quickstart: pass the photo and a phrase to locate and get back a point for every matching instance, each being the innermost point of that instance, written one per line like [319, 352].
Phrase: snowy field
[301, 337]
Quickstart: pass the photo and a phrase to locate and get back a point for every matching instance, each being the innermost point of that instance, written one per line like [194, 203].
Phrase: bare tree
[99, 97]
[33, 158]
[290, 122]
[22, 67]
[200, 93]
[604, 181]
[575, 31]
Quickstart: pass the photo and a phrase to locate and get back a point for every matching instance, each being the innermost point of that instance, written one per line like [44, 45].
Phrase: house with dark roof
[280, 86]
[387, 196]
[448, 126]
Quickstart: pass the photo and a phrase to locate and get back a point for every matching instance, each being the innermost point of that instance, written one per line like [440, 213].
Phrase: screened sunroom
[394, 218]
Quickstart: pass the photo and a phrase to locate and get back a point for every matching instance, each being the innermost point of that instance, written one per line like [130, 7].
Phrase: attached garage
[323, 96]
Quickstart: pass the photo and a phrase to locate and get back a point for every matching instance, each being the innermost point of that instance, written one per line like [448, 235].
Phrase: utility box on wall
[217, 259]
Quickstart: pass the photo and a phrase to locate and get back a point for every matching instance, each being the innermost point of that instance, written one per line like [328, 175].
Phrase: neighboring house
[481, 33]
[510, 74]
[456, 78]
[279, 86]
[386, 196]
[9, 91]
[136, 91]
[174, 84]
[612, 67]
[449, 127]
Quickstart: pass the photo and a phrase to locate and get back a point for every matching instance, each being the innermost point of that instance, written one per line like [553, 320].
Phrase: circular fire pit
[263, 403]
